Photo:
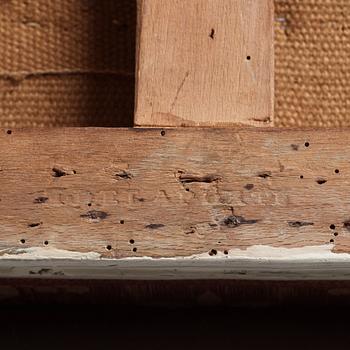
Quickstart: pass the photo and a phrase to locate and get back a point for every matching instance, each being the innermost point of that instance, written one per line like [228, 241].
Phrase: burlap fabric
[67, 62]
[312, 63]
[71, 62]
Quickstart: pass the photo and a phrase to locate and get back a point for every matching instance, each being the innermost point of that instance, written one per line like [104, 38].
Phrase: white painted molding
[255, 263]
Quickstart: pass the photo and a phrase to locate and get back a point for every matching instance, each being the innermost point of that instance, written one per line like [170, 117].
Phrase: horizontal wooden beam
[192, 203]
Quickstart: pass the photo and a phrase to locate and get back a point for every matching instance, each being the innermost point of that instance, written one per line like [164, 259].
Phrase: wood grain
[205, 63]
[166, 193]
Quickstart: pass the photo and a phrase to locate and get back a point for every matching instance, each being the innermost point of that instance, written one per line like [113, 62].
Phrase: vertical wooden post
[205, 63]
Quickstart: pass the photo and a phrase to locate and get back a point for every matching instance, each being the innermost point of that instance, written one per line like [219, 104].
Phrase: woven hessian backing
[67, 62]
[312, 63]
[71, 62]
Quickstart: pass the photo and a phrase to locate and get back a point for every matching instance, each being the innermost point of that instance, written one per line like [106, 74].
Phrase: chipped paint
[321, 252]
[254, 263]
[258, 252]
[39, 253]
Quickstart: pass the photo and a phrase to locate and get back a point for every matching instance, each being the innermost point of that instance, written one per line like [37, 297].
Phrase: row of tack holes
[23, 241]
[332, 226]
[335, 234]
[108, 247]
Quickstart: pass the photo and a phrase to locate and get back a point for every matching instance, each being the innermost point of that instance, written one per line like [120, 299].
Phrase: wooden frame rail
[175, 203]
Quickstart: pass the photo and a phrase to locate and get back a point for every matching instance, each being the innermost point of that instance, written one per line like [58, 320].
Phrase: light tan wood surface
[173, 193]
[205, 63]
[175, 204]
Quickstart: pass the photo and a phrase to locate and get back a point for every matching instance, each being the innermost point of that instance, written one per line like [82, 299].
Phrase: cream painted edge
[255, 263]
[260, 252]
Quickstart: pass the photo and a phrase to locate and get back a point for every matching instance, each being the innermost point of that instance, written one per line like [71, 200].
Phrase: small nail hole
[331, 241]
[122, 222]
[132, 241]
[46, 242]
[213, 252]
[332, 227]
[212, 34]
[23, 241]
[187, 190]
[337, 171]
[307, 144]
[109, 247]
[301, 176]
[9, 132]
[162, 133]
[134, 250]
[249, 58]
[336, 234]
[226, 252]
[89, 204]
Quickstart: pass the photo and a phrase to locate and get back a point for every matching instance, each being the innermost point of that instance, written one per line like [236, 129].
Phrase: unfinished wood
[73, 194]
[205, 63]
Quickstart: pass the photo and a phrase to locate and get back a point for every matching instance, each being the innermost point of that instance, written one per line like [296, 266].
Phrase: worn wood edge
[184, 123]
